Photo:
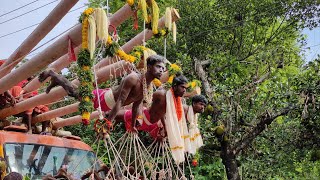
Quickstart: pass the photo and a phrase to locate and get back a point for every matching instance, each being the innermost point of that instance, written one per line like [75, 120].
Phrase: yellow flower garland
[175, 67]
[85, 26]
[170, 79]
[125, 56]
[156, 82]
[85, 115]
[130, 2]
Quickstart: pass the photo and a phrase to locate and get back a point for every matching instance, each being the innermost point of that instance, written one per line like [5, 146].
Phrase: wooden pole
[55, 113]
[53, 52]
[72, 120]
[58, 92]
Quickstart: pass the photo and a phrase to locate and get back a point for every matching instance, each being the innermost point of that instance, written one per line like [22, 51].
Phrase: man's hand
[12, 101]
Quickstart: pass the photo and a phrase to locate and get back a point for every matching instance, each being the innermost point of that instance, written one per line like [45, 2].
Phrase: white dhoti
[194, 132]
[177, 131]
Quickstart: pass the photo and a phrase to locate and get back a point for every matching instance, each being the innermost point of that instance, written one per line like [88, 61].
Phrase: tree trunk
[229, 161]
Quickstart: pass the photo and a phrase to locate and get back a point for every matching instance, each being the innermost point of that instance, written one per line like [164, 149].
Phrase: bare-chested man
[149, 120]
[129, 91]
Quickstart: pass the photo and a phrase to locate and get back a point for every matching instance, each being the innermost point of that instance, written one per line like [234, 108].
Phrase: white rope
[144, 33]
[96, 84]
[165, 48]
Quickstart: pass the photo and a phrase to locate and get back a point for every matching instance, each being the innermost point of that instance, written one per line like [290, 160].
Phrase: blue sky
[9, 43]
[313, 41]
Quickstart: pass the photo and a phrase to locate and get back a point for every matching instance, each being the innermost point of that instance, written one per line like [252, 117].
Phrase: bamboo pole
[55, 113]
[58, 92]
[38, 34]
[51, 53]
[72, 120]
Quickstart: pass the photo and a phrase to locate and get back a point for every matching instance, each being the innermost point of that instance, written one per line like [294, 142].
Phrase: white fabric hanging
[195, 136]
[177, 131]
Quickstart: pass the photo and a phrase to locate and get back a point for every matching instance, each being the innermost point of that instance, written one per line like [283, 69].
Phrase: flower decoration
[174, 69]
[193, 84]
[125, 56]
[171, 79]
[161, 33]
[84, 72]
[157, 82]
[145, 6]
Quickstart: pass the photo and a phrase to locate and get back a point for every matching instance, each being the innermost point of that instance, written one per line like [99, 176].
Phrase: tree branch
[266, 119]
[203, 76]
[206, 62]
[264, 77]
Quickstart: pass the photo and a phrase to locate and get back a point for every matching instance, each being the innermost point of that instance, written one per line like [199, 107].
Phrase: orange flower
[170, 79]
[85, 115]
[157, 82]
[109, 41]
[88, 11]
[87, 99]
[85, 68]
[130, 2]
[84, 32]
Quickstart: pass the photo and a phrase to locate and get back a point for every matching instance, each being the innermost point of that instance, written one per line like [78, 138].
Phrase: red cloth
[152, 129]
[71, 55]
[100, 92]
[41, 109]
[22, 83]
[15, 91]
[2, 62]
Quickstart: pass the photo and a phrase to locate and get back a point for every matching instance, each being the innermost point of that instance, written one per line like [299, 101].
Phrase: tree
[251, 49]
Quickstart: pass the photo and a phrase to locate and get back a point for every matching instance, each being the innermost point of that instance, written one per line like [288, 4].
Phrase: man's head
[179, 85]
[13, 176]
[199, 103]
[156, 65]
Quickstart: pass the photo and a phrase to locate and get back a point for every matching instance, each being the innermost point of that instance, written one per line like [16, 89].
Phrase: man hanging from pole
[166, 110]
[134, 88]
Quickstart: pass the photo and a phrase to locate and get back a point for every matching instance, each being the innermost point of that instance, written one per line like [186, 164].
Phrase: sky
[8, 44]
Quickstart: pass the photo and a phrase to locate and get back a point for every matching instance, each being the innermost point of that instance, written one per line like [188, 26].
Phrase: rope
[18, 8]
[165, 48]
[96, 85]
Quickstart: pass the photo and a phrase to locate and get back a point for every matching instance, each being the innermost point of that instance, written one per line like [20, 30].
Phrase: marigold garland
[174, 69]
[193, 84]
[171, 79]
[156, 82]
[85, 26]
[84, 72]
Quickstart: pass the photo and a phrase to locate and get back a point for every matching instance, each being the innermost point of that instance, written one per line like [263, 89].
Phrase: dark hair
[199, 98]
[153, 59]
[13, 176]
[179, 79]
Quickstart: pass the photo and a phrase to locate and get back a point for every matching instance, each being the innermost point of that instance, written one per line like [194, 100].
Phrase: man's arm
[127, 85]
[136, 107]
[185, 109]
[10, 98]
